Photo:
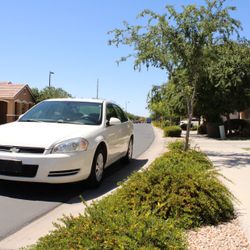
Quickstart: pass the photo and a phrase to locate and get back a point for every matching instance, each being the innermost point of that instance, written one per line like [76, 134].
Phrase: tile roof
[9, 90]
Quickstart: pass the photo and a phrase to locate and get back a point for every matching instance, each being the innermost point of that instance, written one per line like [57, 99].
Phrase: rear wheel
[97, 169]
[128, 157]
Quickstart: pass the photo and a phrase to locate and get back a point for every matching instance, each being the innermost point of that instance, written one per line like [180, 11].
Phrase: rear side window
[121, 115]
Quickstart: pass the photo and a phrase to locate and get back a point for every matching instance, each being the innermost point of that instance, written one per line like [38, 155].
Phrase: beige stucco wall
[25, 95]
[22, 102]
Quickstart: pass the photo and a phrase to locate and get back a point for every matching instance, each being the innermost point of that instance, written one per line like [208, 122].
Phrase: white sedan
[65, 140]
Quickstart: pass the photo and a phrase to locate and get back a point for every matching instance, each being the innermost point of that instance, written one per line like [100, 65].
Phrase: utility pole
[50, 73]
[97, 88]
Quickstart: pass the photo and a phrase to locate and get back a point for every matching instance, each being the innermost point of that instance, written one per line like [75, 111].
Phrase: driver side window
[110, 112]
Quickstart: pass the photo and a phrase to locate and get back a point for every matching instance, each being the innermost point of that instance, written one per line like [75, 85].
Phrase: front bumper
[51, 168]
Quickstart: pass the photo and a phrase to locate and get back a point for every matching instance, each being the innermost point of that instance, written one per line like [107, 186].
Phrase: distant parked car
[148, 120]
[238, 127]
[194, 122]
[65, 140]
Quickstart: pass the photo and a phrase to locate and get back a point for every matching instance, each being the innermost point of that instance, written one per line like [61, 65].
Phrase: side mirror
[114, 121]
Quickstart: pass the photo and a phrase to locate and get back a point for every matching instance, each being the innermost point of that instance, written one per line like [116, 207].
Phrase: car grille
[17, 168]
[17, 149]
[63, 172]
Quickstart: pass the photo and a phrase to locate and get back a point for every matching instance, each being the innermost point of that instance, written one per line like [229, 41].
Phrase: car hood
[41, 134]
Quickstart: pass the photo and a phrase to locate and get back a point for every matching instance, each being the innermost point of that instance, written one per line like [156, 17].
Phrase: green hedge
[176, 145]
[172, 131]
[161, 124]
[182, 186]
[179, 191]
[104, 226]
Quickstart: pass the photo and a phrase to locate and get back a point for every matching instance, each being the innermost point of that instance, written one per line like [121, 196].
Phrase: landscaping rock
[227, 236]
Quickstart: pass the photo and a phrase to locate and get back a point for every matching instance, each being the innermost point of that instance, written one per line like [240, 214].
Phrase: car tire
[128, 157]
[97, 169]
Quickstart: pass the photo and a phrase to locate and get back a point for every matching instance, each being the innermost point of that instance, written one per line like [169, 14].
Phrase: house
[15, 99]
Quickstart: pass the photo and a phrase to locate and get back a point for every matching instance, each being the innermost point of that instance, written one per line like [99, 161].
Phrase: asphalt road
[21, 203]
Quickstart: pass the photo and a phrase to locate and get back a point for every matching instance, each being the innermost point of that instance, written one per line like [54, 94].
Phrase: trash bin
[213, 130]
[222, 132]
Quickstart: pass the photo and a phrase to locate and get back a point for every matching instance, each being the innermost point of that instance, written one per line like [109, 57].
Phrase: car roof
[93, 100]
[75, 100]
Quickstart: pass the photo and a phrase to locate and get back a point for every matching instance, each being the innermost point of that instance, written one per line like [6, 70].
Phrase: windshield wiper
[30, 120]
[60, 121]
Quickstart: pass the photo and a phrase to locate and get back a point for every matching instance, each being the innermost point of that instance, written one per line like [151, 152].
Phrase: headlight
[69, 146]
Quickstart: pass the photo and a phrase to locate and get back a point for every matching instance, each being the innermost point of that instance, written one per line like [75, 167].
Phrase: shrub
[161, 124]
[157, 124]
[166, 123]
[180, 190]
[181, 186]
[172, 131]
[106, 225]
[176, 145]
[194, 128]
[202, 129]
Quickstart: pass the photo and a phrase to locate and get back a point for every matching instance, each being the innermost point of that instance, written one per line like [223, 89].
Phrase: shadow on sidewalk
[229, 160]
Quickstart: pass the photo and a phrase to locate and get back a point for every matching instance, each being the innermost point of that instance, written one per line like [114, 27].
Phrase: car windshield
[73, 112]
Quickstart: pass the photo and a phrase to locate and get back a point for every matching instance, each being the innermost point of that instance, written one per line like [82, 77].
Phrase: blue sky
[69, 37]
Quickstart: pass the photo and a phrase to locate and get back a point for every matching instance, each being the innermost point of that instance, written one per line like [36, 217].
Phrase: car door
[125, 130]
[112, 135]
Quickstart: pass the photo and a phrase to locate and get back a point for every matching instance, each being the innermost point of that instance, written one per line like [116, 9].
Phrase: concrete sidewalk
[42, 226]
[233, 161]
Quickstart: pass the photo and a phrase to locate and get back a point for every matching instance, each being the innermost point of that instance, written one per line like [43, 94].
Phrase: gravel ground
[228, 236]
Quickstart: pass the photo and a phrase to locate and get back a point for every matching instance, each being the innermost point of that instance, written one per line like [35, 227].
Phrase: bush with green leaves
[182, 186]
[194, 128]
[109, 224]
[172, 131]
[180, 190]
[202, 129]
[161, 124]
[176, 145]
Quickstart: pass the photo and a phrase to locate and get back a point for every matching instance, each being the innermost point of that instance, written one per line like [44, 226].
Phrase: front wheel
[97, 169]
[128, 157]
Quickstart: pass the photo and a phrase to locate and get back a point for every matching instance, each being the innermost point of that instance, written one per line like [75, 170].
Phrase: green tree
[133, 117]
[166, 102]
[227, 87]
[178, 42]
[231, 76]
[156, 102]
[48, 93]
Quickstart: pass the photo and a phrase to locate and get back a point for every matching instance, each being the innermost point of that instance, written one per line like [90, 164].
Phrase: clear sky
[69, 37]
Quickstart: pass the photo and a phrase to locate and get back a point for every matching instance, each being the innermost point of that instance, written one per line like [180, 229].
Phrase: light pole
[50, 73]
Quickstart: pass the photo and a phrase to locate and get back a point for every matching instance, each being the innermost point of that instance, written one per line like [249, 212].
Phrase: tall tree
[177, 42]
[48, 93]
[227, 87]
[166, 102]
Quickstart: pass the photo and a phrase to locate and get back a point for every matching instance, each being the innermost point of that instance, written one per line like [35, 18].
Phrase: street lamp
[50, 73]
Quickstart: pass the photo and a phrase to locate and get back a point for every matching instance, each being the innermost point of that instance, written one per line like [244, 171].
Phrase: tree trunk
[190, 106]
[190, 115]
